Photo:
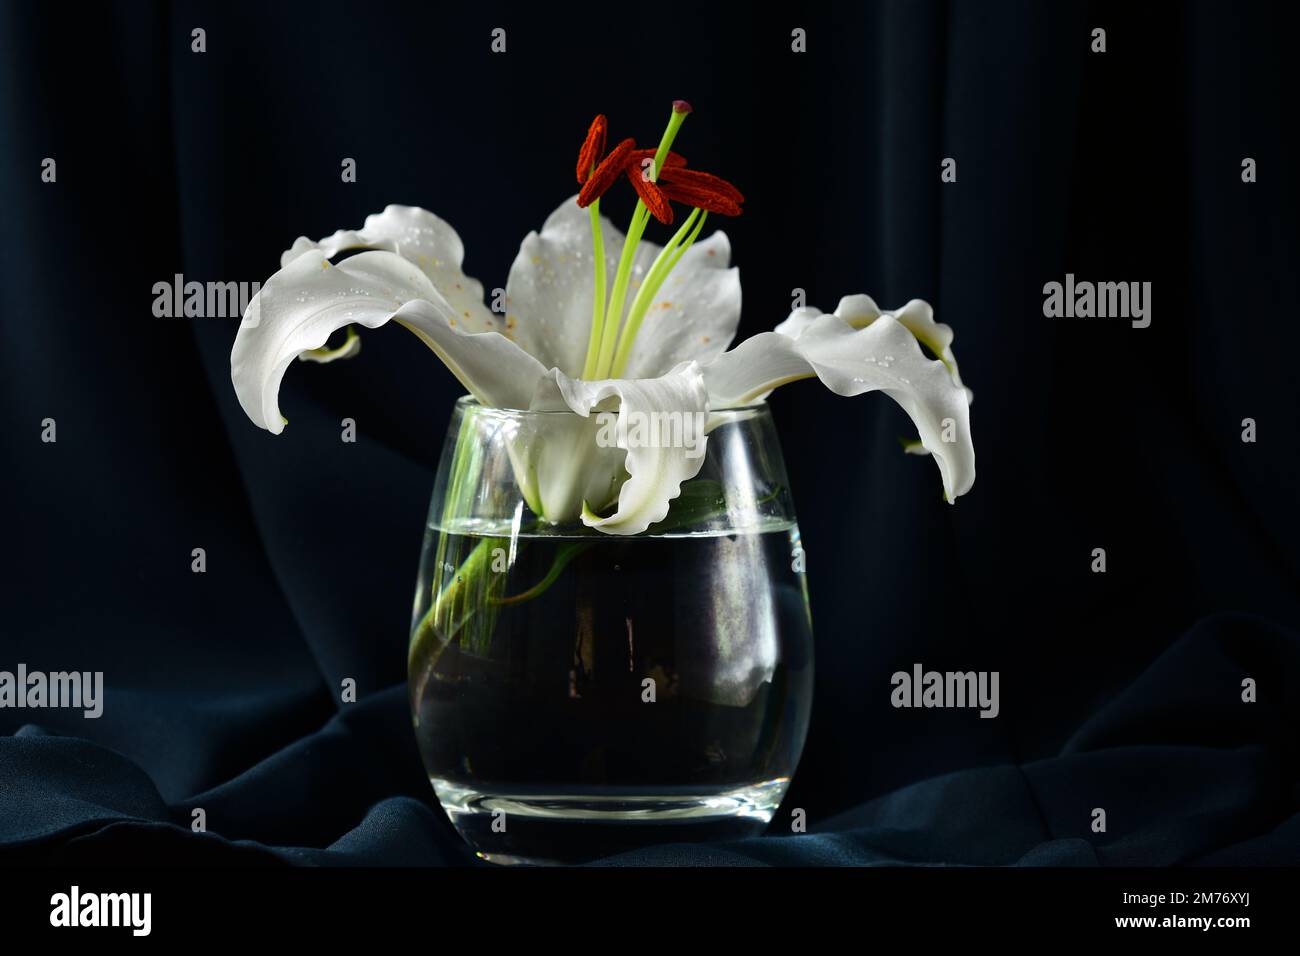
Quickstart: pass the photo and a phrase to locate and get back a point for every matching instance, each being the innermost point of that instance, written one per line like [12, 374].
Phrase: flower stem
[568, 551]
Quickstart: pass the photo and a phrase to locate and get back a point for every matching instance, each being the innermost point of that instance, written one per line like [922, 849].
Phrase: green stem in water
[598, 302]
[461, 463]
[454, 606]
[568, 551]
[700, 501]
[663, 265]
[640, 216]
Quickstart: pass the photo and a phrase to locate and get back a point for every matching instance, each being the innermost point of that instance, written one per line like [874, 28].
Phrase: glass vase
[576, 694]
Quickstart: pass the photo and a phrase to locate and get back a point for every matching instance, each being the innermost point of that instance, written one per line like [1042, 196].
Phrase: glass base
[546, 828]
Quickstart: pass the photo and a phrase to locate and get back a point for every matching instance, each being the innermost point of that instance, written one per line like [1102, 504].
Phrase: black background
[1119, 690]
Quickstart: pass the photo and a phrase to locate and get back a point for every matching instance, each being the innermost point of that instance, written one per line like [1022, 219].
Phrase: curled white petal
[560, 466]
[918, 318]
[350, 348]
[299, 307]
[425, 240]
[859, 311]
[658, 429]
[882, 355]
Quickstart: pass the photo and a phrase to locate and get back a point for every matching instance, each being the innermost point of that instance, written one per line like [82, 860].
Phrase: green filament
[608, 335]
[598, 302]
[663, 265]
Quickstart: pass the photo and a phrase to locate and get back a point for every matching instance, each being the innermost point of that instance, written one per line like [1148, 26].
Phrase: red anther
[592, 147]
[694, 179]
[604, 175]
[708, 199]
[672, 159]
[674, 182]
[650, 194]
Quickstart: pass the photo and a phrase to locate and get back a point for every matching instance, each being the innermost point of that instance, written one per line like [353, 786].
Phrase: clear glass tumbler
[577, 694]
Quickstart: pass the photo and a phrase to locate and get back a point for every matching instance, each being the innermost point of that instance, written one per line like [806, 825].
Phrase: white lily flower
[673, 361]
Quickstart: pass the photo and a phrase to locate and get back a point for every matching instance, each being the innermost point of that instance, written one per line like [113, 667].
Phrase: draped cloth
[1121, 689]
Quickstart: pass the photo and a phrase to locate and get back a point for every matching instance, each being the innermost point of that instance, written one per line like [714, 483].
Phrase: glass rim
[469, 401]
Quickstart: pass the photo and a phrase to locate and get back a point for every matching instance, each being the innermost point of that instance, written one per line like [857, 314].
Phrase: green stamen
[659, 271]
[598, 302]
[690, 241]
[640, 217]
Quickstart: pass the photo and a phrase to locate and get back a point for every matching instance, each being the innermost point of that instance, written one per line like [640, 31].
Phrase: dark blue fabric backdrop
[1119, 690]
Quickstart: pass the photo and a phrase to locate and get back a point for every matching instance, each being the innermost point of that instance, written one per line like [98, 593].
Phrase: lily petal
[551, 286]
[918, 318]
[694, 315]
[550, 290]
[859, 311]
[299, 307]
[654, 468]
[418, 236]
[323, 356]
[882, 355]
[559, 464]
